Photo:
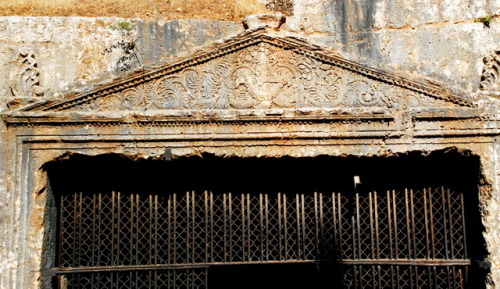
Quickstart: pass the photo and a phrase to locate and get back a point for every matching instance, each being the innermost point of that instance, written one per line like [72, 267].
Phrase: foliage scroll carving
[257, 77]
[25, 81]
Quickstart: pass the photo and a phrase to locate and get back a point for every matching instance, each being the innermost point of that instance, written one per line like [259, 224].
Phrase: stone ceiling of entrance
[256, 70]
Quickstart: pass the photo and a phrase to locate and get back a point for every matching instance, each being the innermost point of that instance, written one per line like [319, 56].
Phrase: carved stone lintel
[24, 77]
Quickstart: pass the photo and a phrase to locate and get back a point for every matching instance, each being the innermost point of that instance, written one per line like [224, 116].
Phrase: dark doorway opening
[268, 276]
[120, 200]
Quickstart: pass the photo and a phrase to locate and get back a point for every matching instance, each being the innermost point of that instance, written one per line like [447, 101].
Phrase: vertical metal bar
[156, 233]
[316, 222]
[372, 229]
[133, 228]
[464, 235]
[395, 224]
[266, 220]
[357, 274]
[174, 229]
[137, 228]
[391, 240]
[94, 230]
[99, 214]
[394, 250]
[426, 220]
[358, 227]
[389, 226]
[408, 225]
[280, 228]
[118, 232]
[299, 199]
[448, 279]
[261, 226]
[243, 227]
[151, 232]
[208, 228]
[446, 230]
[150, 277]
[230, 227]
[225, 247]
[412, 212]
[321, 229]
[189, 233]
[249, 258]
[170, 232]
[454, 278]
[285, 225]
[429, 272]
[155, 278]
[168, 275]
[372, 236]
[431, 219]
[193, 233]
[358, 233]
[78, 228]
[336, 212]
[211, 227]
[431, 210]
[408, 233]
[377, 234]
[398, 280]
[450, 222]
[112, 228]
[61, 232]
[378, 274]
[353, 226]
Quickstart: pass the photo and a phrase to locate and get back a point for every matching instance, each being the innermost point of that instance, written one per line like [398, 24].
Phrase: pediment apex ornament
[257, 70]
[273, 21]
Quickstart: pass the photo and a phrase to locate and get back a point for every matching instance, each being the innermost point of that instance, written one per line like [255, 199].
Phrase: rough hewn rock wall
[70, 53]
[432, 38]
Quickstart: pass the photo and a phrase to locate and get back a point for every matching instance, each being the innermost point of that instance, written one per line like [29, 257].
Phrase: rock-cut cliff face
[440, 40]
[451, 43]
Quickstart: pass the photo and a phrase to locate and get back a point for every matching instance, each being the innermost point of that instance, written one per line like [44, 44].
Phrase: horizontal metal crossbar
[422, 262]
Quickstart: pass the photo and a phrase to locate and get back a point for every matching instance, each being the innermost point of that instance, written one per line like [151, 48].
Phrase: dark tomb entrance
[326, 222]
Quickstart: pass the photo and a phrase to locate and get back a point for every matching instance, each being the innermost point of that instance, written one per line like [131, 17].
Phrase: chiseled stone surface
[46, 58]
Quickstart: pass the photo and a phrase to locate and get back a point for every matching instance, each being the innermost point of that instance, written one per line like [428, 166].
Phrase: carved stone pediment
[256, 70]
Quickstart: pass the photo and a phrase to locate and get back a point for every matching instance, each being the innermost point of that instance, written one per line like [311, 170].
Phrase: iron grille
[392, 239]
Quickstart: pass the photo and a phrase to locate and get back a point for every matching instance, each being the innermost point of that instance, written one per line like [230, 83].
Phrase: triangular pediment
[256, 70]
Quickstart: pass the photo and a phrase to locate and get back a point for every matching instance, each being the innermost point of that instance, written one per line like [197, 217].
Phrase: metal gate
[411, 238]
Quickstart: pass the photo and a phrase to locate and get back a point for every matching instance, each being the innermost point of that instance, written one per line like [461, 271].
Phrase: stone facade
[340, 78]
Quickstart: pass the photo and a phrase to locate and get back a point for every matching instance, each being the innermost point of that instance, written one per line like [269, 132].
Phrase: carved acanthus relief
[491, 71]
[25, 81]
[262, 76]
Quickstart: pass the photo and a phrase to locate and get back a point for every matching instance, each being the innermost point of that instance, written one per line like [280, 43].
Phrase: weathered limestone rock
[63, 54]
[437, 39]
